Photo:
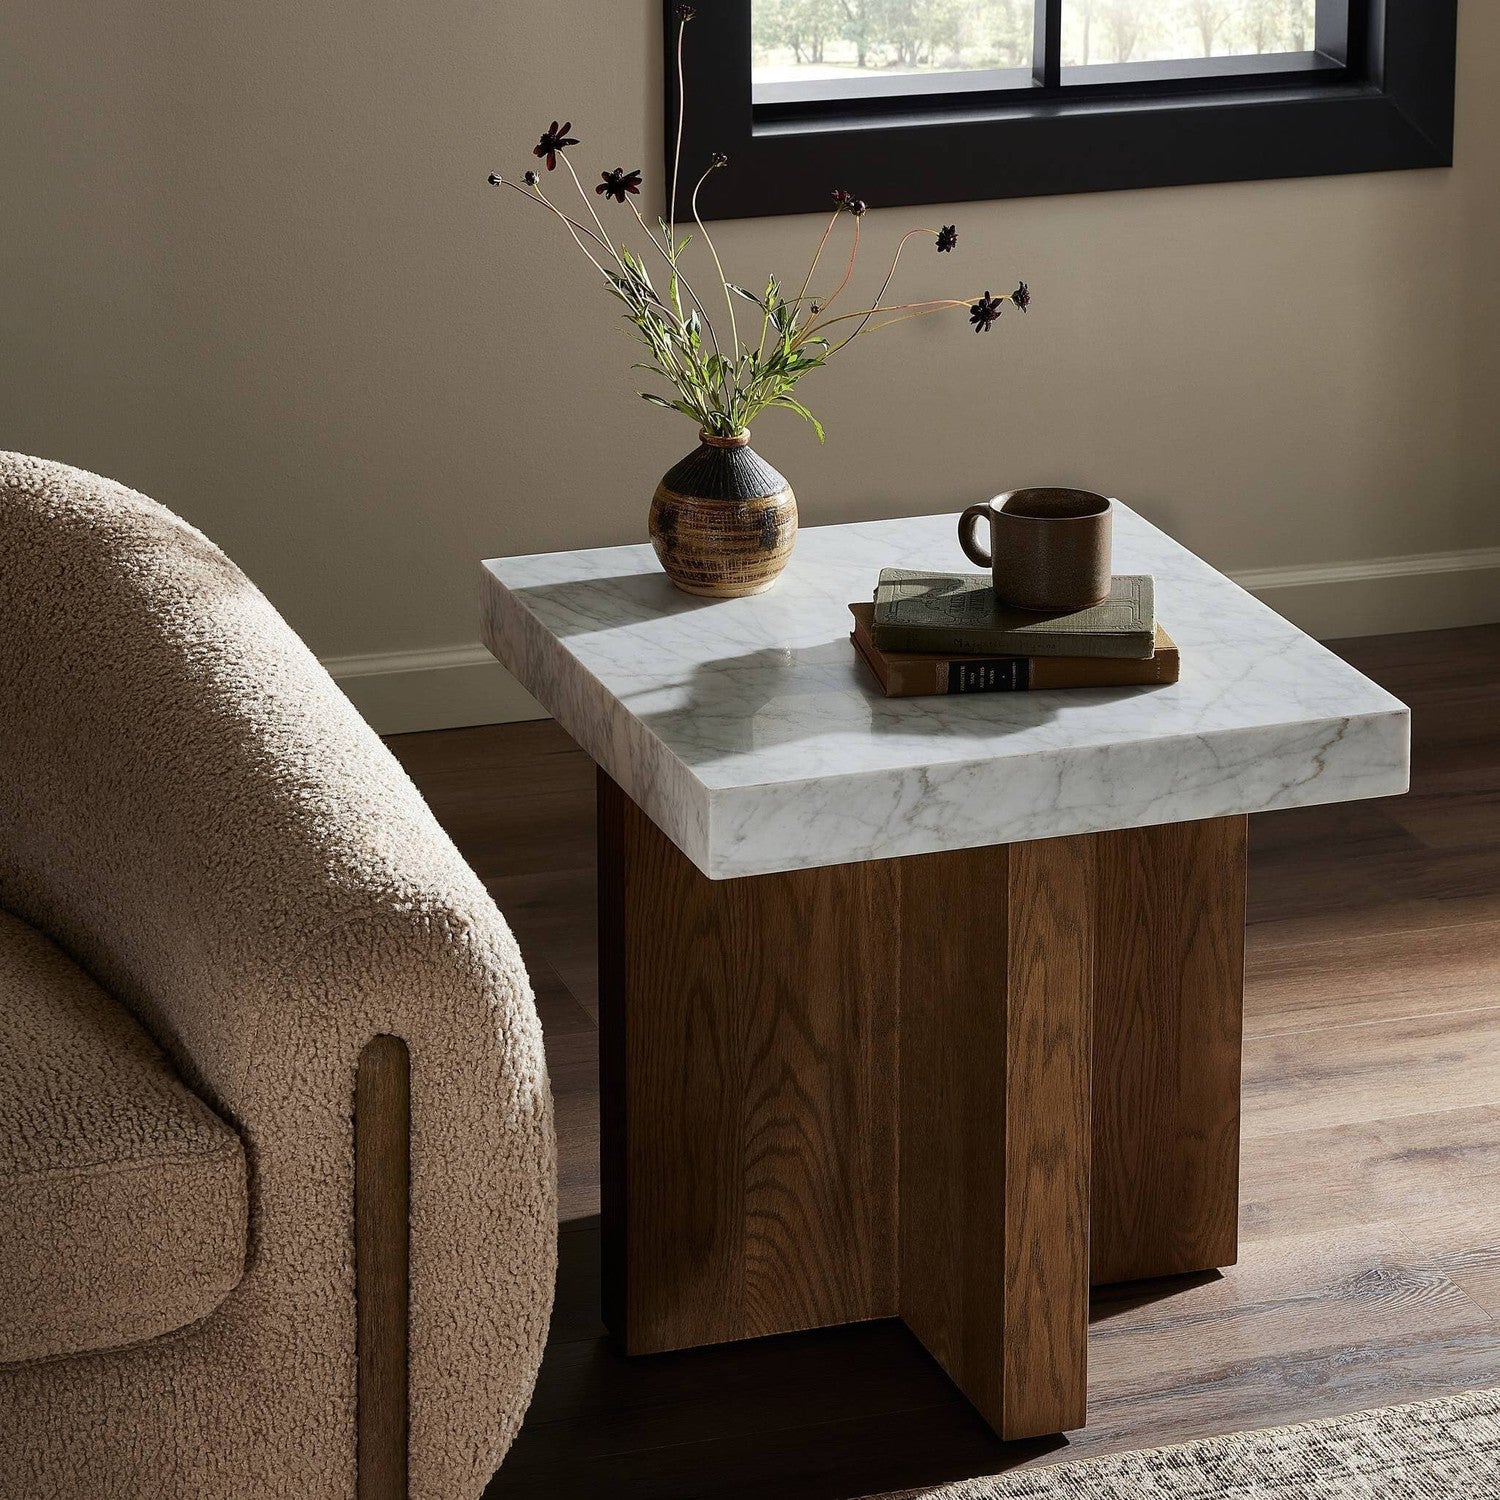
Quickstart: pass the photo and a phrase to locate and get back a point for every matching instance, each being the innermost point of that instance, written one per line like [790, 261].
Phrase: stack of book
[937, 633]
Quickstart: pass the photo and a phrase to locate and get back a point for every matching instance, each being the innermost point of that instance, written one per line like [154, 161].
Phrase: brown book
[904, 674]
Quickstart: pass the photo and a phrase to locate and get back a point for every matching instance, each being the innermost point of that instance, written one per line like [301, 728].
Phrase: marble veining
[751, 734]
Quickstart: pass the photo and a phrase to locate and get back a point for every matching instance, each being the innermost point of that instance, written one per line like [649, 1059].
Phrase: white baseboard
[1383, 595]
[402, 691]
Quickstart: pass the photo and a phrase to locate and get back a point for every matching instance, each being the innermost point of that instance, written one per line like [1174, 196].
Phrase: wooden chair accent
[382, 1199]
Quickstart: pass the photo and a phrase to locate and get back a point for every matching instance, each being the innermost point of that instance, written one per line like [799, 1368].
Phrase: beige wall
[249, 264]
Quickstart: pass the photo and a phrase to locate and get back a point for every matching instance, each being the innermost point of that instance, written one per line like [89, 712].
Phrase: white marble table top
[752, 736]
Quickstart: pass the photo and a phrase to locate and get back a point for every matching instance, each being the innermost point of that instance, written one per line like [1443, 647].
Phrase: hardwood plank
[1170, 934]
[553, 916]
[463, 772]
[1477, 1272]
[1428, 1183]
[573, 1067]
[749, 1076]
[1456, 818]
[571, 1039]
[1338, 859]
[1348, 1074]
[1430, 660]
[515, 798]
[1314, 924]
[1308, 1326]
[750, 1067]
[552, 912]
[1380, 971]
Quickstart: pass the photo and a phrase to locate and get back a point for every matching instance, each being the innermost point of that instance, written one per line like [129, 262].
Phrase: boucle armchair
[228, 913]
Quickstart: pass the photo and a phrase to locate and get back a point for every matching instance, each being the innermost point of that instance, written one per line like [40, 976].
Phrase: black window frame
[1383, 102]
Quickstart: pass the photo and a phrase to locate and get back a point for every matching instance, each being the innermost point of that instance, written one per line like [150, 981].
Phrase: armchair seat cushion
[122, 1196]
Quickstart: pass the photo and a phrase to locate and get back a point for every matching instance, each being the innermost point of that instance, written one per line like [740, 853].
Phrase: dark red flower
[553, 141]
[985, 311]
[947, 238]
[619, 182]
[1021, 296]
[848, 203]
[686, 12]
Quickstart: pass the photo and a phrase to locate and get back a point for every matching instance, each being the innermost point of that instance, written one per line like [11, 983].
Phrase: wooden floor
[1370, 1253]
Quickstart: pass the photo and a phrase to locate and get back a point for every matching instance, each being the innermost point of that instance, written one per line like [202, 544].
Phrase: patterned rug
[1436, 1450]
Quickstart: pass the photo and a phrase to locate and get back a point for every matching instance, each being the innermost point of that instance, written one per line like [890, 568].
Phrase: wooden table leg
[996, 978]
[1167, 1030]
[752, 1104]
[747, 1103]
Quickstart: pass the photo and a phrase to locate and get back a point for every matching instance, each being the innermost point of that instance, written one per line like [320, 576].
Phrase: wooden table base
[864, 1091]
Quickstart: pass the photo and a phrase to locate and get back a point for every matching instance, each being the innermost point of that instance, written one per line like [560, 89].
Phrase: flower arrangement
[720, 377]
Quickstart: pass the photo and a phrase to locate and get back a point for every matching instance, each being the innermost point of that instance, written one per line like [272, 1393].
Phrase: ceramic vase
[723, 521]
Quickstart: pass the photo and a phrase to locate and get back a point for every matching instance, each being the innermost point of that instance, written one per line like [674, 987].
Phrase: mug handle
[968, 524]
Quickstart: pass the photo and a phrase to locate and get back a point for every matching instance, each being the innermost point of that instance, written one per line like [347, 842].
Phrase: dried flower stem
[588, 202]
[884, 285]
[677, 150]
[671, 259]
[817, 256]
[848, 272]
[535, 195]
[936, 302]
[925, 312]
[734, 331]
[907, 309]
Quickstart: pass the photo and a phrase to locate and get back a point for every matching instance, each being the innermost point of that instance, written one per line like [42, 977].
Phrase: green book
[958, 613]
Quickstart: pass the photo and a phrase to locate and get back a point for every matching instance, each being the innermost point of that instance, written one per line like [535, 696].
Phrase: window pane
[803, 41]
[1122, 31]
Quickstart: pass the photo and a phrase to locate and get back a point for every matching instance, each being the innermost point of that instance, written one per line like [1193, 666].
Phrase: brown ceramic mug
[1049, 549]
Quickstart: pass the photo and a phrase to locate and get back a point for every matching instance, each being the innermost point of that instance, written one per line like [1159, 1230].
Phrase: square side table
[920, 1008]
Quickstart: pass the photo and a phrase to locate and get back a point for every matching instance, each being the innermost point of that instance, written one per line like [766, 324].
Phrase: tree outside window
[836, 38]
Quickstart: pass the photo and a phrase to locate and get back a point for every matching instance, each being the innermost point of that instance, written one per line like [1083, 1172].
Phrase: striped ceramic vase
[723, 521]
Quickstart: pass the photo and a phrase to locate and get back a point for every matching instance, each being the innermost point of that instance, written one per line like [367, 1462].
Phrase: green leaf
[802, 411]
[665, 405]
[637, 267]
[740, 291]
